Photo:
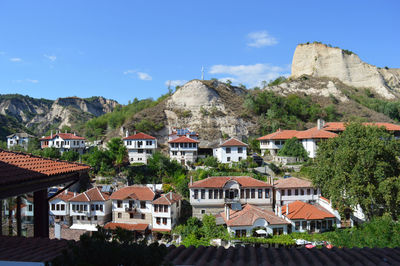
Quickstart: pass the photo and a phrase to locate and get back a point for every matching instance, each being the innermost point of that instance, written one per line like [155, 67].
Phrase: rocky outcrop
[40, 114]
[320, 60]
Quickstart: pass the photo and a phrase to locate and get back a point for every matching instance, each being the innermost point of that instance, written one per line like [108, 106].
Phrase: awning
[87, 227]
[261, 232]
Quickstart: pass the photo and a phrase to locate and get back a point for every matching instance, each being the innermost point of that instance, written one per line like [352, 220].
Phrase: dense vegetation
[293, 148]
[293, 111]
[360, 167]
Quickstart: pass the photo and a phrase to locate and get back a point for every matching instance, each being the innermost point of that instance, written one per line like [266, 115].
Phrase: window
[283, 192]
[242, 193]
[260, 193]
[304, 225]
[143, 216]
[140, 151]
[101, 207]
[97, 207]
[240, 150]
[183, 153]
[119, 202]
[175, 153]
[267, 193]
[165, 208]
[247, 193]
[85, 208]
[63, 207]
[119, 215]
[210, 194]
[164, 221]
[240, 158]
[308, 191]
[296, 192]
[89, 218]
[302, 192]
[277, 231]
[149, 142]
[297, 226]
[329, 224]
[131, 216]
[203, 211]
[228, 159]
[73, 207]
[53, 207]
[155, 208]
[315, 191]
[95, 217]
[92, 207]
[196, 194]
[203, 194]
[158, 220]
[220, 194]
[228, 150]
[149, 152]
[143, 205]
[253, 193]
[78, 217]
[289, 192]
[58, 207]
[83, 218]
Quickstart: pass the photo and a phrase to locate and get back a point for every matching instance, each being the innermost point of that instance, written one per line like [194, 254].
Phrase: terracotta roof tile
[299, 210]
[140, 135]
[65, 136]
[134, 192]
[183, 139]
[93, 194]
[233, 142]
[220, 181]
[160, 230]
[167, 199]
[341, 126]
[315, 133]
[249, 214]
[18, 166]
[280, 134]
[65, 196]
[293, 182]
[130, 227]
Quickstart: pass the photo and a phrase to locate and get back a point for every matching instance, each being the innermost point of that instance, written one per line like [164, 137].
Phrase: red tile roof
[93, 194]
[133, 192]
[65, 136]
[315, 133]
[183, 139]
[299, 210]
[140, 135]
[341, 126]
[65, 196]
[233, 142]
[160, 230]
[167, 199]
[249, 214]
[130, 227]
[18, 167]
[13, 248]
[293, 182]
[220, 181]
[280, 134]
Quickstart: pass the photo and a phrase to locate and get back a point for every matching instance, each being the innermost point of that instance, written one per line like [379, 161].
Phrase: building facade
[209, 196]
[293, 189]
[165, 212]
[19, 139]
[183, 149]
[230, 151]
[64, 142]
[140, 147]
[59, 207]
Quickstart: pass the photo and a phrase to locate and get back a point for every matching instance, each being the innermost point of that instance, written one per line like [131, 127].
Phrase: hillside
[25, 113]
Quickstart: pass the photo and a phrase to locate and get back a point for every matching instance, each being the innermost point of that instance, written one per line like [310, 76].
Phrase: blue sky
[127, 49]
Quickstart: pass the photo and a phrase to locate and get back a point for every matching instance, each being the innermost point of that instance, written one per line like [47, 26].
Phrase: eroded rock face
[319, 60]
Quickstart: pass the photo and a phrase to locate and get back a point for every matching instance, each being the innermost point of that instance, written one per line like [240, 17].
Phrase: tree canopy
[360, 167]
[293, 148]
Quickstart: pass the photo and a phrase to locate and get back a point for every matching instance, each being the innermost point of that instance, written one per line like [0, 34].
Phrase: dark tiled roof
[30, 249]
[19, 167]
[249, 256]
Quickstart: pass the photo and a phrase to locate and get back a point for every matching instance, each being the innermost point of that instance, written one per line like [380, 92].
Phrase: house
[274, 142]
[243, 222]
[339, 127]
[231, 150]
[209, 196]
[64, 142]
[89, 209]
[305, 217]
[19, 139]
[183, 149]
[140, 146]
[311, 137]
[175, 133]
[166, 211]
[28, 209]
[59, 207]
[132, 205]
[291, 189]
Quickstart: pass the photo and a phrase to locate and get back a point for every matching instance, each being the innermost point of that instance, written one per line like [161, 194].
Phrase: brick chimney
[320, 123]
[287, 209]
[126, 133]
[191, 180]
[51, 134]
[227, 214]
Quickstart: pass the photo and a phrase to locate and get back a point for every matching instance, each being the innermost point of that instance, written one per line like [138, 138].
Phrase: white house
[242, 223]
[140, 146]
[291, 189]
[89, 209]
[305, 217]
[27, 210]
[59, 207]
[132, 205]
[183, 149]
[274, 142]
[64, 142]
[231, 150]
[209, 196]
[19, 139]
[166, 211]
[175, 133]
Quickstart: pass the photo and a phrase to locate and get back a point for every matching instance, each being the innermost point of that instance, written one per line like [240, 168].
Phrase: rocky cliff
[320, 60]
[39, 115]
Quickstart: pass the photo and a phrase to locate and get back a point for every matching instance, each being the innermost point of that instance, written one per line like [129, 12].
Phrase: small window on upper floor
[240, 150]
[228, 150]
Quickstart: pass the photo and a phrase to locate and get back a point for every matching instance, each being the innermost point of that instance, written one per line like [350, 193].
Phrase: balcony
[232, 200]
[131, 210]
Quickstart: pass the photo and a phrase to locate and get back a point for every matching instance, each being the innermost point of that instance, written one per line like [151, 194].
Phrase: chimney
[287, 209]
[51, 134]
[126, 133]
[227, 212]
[279, 211]
[320, 123]
[134, 132]
[66, 131]
[170, 195]
[74, 194]
[191, 180]
[276, 210]
[74, 133]
[66, 191]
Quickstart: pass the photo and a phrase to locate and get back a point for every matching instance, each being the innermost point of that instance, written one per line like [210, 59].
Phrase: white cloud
[32, 80]
[260, 39]
[52, 58]
[129, 71]
[174, 83]
[15, 59]
[250, 75]
[144, 76]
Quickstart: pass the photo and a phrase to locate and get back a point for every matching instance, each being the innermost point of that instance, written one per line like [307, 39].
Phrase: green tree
[71, 156]
[293, 148]
[51, 153]
[360, 167]
[118, 152]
